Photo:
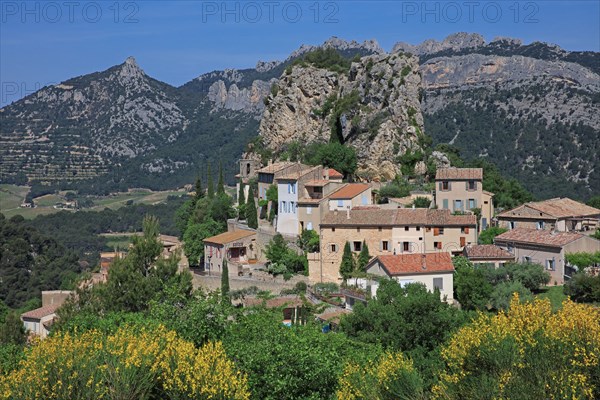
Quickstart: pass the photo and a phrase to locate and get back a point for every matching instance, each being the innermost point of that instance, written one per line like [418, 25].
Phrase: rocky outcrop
[375, 107]
[456, 41]
[248, 100]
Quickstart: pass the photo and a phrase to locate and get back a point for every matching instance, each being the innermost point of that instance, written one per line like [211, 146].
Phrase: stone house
[315, 202]
[388, 232]
[237, 247]
[39, 321]
[461, 189]
[547, 248]
[560, 214]
[488, 254]
[350, 196]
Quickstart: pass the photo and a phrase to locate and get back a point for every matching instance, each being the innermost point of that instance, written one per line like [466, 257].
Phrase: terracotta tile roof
[41, 312]
[228, 237]
[487, 251]
[275, 167]
[558, 208]
[317, 182]
[540, 237]
[349, 191]
[297, 172]
[332, 173]
[410, 264]
[311, 201]
[292, 301]
[369, 216]
[401, 200]
[380, 217]
[459, 173]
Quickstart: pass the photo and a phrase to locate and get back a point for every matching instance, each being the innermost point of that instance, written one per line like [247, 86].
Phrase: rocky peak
[130, 71]
[334, 42]
[455, 41]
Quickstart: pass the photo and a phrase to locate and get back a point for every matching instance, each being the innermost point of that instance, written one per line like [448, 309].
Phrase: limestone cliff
[374, 107]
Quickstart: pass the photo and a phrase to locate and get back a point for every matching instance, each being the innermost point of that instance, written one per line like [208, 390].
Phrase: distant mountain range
[531, 109]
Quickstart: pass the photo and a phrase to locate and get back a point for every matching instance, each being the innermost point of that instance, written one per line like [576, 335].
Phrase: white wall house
[287, 218]
[434, 270]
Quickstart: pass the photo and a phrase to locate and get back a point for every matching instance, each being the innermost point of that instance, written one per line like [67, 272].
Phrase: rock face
[381, 119]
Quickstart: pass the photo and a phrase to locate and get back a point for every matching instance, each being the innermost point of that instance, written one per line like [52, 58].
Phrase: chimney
[335, 212]
[423, 262]
[348, 213]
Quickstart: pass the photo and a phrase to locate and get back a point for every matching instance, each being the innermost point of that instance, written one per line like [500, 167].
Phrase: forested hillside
[31, 261]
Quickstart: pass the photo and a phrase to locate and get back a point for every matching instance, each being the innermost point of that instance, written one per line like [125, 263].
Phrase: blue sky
[45, 42]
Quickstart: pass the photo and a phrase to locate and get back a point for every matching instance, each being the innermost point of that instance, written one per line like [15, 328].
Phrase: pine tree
[211, 184]
[199, 191]
[251, 215]
[363, 257]
[347, 265]
[220, 183]
[12, 330]
[225, 279]
[241, 201]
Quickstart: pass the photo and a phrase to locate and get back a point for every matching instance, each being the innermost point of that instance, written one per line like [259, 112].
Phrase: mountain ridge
[121, 127]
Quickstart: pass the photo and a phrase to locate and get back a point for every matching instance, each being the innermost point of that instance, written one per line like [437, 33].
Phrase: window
[332, 229]
[357, 245]
[463, 241]
[406, 228]
[292, 188]
[438, 283]
[309, 210]
[309, 226]
[551, 265]
[472, 204]
[483, 223]
[437, 245]
[471, 185]
[445, 204]
[283, 206]
[357, 229]
[333, 248]
[405, 246]
[379, 229]
[458, 205]
[441, 230]
[363, 199]
[418, 228]
[445, 185]
[512, 225]
[385, 245]
[464, 229]
[510, 248]
[526, 259]
[540, 225]
[340, 203]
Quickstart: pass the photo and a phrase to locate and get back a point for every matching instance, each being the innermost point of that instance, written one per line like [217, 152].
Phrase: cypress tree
[251, 215]
[364, 256]
[199, 191]
[347, 265]
[225, 279]
[220, 183]
[211, 184]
